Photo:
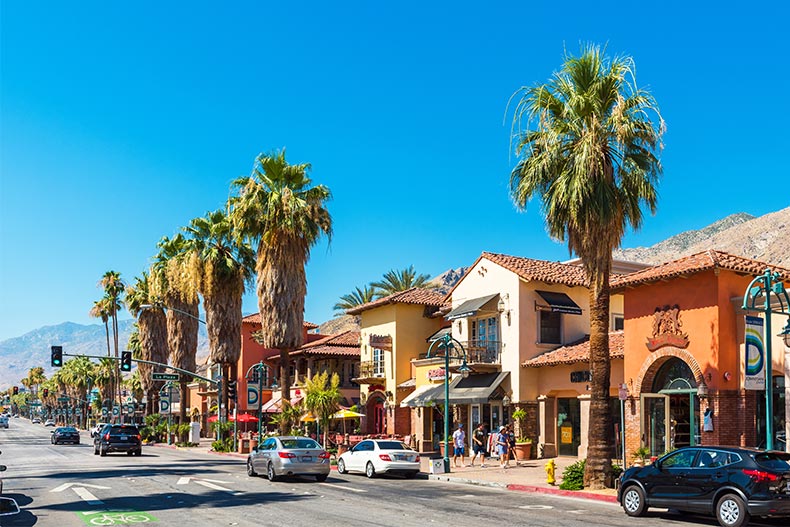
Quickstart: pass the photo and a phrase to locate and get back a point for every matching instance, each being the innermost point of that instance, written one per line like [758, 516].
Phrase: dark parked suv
[118, 438]
[732, 484]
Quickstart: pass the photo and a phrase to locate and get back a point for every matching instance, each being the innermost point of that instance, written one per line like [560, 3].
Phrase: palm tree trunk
[285, 377]
[598, 469]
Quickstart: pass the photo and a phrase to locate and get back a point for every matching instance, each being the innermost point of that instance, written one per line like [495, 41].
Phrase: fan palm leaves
[395, 281]
[101, 309]
[587, 148]
[322, 397]
[280, 210]
[113, 287]
[355, 298]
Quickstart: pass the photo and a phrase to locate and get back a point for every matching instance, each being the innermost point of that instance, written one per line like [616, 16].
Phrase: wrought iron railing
[478, 352]
[371, 368]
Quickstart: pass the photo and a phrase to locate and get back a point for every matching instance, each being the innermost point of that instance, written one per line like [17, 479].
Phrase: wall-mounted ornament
[667, 329]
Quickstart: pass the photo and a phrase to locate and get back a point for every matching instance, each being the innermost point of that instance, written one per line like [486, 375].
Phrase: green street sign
[165, 376]
[63, 399]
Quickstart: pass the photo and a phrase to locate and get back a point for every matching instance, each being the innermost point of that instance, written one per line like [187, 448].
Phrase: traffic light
[46, 392]
[126, 361]
[232, 390]
[57, 356]
[16, 390]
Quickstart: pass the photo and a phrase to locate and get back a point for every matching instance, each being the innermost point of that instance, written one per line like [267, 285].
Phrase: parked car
[380, 456]
[730, 483]
[96, 429]
[35, 421]
[118, 438]
[49, 422]
[289, 456]
[65, 434]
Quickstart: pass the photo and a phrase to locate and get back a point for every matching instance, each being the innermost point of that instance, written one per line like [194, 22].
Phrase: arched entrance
[670, 409]
[376, 422]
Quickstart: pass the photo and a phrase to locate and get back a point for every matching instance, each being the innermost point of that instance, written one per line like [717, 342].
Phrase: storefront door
[655, 416]
[568, 426]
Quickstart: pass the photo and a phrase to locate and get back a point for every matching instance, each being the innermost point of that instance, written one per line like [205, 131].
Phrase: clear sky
[122, 121]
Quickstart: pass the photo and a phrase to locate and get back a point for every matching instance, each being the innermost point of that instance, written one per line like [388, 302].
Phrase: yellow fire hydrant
[550, 468]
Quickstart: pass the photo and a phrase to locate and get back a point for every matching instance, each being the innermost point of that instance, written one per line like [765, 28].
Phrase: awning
[439, 334]
[560, 302]
[275, 406]
[475, 389]
[470, 307]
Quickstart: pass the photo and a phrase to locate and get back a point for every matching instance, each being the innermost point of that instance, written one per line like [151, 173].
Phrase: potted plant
[523, 448]
[640, 456]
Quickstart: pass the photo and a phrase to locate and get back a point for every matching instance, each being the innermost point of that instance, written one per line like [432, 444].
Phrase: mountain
[445, 281]
[18, 355]
[762, 238]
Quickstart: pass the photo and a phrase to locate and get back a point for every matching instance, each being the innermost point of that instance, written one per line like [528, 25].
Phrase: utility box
[194, 432]
[437, 466]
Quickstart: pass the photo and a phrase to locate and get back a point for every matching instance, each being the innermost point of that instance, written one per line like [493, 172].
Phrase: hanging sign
[436, 374]
[252, 397]
[754, 355]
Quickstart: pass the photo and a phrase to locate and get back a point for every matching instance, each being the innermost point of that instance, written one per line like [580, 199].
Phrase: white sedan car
[380, 456]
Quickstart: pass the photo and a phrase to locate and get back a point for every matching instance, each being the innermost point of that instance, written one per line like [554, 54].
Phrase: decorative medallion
[666, 329]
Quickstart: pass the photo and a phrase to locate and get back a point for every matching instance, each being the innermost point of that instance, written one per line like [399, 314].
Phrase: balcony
[478, 353]
[370, 372]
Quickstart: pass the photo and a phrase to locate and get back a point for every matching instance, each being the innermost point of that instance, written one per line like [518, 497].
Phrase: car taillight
[417, 458]
[106, 437]
[760, 476]
[385, 457]
[324, 455]
[286, 455]
[139, 437]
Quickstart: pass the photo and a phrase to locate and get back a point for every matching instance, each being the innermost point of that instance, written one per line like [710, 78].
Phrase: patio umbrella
[308, 418]
[245, 418]
[213, 419]
[344, 414]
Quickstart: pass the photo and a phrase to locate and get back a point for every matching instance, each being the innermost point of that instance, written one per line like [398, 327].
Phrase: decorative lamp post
[259, 371]
[448, 344]
[762, 287]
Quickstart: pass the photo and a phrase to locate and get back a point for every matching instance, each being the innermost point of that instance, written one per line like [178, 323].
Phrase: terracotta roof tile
[540, 270]
[696, 263]
[255, 318]
[578, 351]
[415, 295]
[344, 344]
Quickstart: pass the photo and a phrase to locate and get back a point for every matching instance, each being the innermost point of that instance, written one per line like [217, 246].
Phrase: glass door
[655, 416]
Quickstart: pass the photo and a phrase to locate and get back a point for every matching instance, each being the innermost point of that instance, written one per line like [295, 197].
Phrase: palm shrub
[573, 476]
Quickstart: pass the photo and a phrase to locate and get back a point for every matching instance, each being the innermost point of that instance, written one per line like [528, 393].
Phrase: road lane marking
[86, 495]
[65, 486]
[536, 507]
[352, 489]
[212, 485]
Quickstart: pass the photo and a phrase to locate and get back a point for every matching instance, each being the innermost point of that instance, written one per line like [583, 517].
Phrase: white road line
[183, 481]
[352, 489]
[86, 495]
[211, 485]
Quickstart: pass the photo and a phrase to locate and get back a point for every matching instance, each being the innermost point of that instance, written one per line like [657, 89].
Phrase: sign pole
[169, 411]
[260, 404]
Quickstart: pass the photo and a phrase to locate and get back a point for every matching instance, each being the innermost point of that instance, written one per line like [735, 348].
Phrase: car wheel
[634, 501]
[250, 470]
[130, 453]
[139, 452]
[270, 473]
[102, 452]
[341, 467]
[321, 477]
[369, 470]
[731, 511]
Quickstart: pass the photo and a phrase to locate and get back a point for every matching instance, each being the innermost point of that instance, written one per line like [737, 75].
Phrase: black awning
[470, 307]
[560, 302]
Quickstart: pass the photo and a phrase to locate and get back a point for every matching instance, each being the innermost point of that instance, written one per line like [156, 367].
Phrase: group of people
[499, 444]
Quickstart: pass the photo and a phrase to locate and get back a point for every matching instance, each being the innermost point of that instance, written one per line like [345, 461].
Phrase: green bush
[223, 445]
[573, 476]
[616, 470]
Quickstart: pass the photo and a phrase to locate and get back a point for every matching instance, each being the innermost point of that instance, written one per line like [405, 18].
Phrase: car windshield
[392, 445]
[67, 429]
[300, 442]
[130, 430]
[774, 460]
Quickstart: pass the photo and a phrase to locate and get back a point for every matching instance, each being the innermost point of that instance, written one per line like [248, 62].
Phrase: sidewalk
[530, 476]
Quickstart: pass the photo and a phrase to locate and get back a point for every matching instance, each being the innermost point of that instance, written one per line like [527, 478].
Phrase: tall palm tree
[152, 330]
[77, 375]
[104, 379]
[101, 309]
[113, 289]
[279, 209]
[36, 377]
[589, 151]
[173, 279]
[395, 281]
[354, 299]
[224, 262]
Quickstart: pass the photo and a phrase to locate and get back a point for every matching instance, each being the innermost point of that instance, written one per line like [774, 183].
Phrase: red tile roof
[255, 318]
[344, 344]
[415, 295]
[696, 263]
[579, 351]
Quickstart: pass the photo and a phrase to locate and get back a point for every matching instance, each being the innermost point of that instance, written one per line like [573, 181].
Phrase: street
[66, 485]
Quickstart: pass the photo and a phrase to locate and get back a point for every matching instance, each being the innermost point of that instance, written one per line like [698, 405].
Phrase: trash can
[194, 433]
[437, 466]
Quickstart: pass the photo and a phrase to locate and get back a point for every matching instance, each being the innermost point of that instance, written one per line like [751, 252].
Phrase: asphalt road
[66, 485]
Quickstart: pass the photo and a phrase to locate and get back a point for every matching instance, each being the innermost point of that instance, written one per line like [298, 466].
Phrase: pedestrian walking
[459, 442]
[502, 443]
[511, 443]
[479, 444]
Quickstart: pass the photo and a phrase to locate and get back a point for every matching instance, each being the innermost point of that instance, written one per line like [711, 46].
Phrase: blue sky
[120, 122]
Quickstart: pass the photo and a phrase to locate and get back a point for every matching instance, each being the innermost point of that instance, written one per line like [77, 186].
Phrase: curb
[467, 481]
[527, 488]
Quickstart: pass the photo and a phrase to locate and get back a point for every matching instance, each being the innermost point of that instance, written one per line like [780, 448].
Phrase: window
[378, 362]
[681, 459]
[618, 322]
[485, 333]
[550, 327]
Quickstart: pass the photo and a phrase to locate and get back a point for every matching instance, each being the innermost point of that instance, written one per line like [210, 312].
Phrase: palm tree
[101, 309]
[588, 150]
[395, 281]
[354, 299]
[77, 375]
[278, 209]
[173, 279]
[113, 289]
[152, 330]
[322, 397]
[224, 262]
[103, 378]
[36, 377]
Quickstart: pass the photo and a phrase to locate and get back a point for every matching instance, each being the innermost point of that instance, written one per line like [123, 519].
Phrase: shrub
[616, 470]
[223, 445]
[573, 476]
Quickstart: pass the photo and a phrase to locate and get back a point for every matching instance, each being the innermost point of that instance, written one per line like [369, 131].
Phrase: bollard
[550, 469]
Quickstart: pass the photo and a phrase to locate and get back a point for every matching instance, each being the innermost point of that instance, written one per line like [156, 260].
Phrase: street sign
[130, 410]
[252, 397]
[63, 399]
[104, 412]
[164, 405]
[116, 411]
[165, 376]
[622, 393]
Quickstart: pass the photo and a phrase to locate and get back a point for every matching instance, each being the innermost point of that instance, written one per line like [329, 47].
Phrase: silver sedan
[289, 456]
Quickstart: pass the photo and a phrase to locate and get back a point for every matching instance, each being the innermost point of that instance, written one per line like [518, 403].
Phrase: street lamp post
[448, 343]
[259, 369]
[763, 286]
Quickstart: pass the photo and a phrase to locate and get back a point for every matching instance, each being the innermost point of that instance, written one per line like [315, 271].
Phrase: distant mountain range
[763, 238]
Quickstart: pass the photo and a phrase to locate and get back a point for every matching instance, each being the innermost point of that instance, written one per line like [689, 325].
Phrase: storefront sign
[436, 374]
[382, 342]
[566, 435]
[666, 329]
[754, 355]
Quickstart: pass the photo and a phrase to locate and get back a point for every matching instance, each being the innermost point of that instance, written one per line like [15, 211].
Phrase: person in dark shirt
[479, 441]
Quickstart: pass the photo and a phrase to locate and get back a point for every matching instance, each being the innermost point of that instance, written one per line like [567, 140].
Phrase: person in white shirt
[459, 442]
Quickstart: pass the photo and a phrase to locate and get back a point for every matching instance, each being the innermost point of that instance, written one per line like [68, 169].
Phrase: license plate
[401, 458]
[124, 438]
[307, 458]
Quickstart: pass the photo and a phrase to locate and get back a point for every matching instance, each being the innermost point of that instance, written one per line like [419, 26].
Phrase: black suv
[731, 483]
[118, 438]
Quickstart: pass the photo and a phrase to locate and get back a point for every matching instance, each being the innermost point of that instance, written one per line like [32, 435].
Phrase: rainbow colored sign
[754, 355]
